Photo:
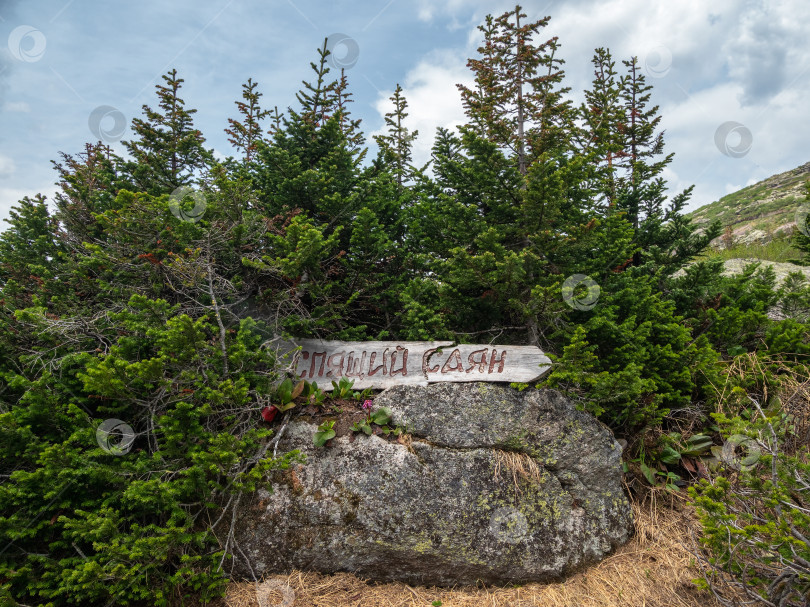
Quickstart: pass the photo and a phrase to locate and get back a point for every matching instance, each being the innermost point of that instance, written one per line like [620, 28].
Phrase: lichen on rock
[495, 485]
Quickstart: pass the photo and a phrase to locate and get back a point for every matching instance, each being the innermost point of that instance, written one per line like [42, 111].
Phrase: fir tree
[277, 119]
[642, 147]
[317, 100]
[90, 182]
[603, 116]
[517, 102]
[245, 134]
[395, 146]
[168, 151]
[30, 251]
[664, 237]
[349, 127]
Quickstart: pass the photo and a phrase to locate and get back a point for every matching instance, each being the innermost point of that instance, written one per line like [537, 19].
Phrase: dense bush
[756, 511]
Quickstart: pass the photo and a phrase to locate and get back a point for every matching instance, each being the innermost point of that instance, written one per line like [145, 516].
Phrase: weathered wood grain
[380, 364]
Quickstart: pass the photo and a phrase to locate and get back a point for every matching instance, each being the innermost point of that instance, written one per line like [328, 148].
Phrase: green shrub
[756, 517]
[92, 517]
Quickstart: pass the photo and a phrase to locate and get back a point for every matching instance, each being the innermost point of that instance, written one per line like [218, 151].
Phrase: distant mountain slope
[761, 211]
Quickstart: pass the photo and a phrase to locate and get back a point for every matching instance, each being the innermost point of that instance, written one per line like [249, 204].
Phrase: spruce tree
[603, 118]
[89, 183]
[664, 237]
[395, 146]
[348, 126]
[518, 103]
[31, 253]
[291, 170]
[336, 222]
[168, 151]
[245, 133]
[317, 99]
[642, 147]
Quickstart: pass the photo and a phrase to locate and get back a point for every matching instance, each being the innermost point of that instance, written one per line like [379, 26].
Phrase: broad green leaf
[296, 392]
[670, 455]
[648, 473]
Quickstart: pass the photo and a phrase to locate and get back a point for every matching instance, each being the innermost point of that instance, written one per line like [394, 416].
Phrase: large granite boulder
[490, 484]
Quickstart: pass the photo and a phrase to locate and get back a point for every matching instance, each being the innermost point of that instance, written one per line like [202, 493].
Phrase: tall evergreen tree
[89, 182]
[603, 118]
[395, 145]
[31, 252]
[643, 145]
[245, 132]
[518, 103]
[317, 99]
[663, 236]
[348, 126]
[168, 150]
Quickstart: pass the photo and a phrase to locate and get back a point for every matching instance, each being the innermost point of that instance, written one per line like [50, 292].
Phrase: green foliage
[517, 102]
[168, 149]
[380, 417]
[246, 134]
[84, 526]
[395, 146]
[656, 464]
[755, 518]
[632, 360]
[779, 249]
[343, 388]
[113, 309]
[325, 433]
[312, 394]
[362, 426]
[286, 393]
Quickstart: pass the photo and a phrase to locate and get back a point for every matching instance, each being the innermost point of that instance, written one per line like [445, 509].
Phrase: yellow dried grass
[519, 465]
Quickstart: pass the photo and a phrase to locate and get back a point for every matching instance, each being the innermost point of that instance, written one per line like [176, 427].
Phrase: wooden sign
[381, 364]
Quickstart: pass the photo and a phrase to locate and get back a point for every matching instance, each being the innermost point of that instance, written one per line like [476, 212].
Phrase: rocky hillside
[735, 266]
[760, 212]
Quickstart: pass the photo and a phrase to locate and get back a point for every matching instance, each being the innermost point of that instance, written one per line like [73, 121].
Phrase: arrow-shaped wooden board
[381, 364]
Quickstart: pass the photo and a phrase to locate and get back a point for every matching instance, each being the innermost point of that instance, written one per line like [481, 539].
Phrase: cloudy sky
[730, 76]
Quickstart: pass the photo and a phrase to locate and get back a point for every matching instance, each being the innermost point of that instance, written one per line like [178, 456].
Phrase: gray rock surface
[732, 267]
[781, 269]
[491, 484]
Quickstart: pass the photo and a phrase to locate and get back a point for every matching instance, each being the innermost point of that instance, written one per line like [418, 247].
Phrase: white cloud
[16, 106]
[10, 197]
[714, 64]
[433, 98]
[428, 10]
[7, 168]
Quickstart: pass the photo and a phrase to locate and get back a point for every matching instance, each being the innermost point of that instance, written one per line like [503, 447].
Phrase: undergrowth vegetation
[781, 250]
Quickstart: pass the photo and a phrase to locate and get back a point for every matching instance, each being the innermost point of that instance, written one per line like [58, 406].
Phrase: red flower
[268, 413]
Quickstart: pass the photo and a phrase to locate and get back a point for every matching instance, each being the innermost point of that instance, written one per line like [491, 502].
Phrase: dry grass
[518, 465]
[654, 569]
